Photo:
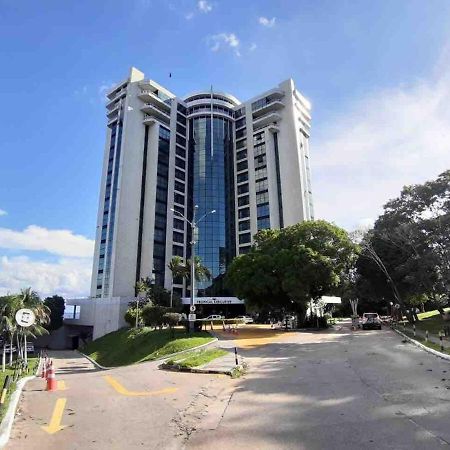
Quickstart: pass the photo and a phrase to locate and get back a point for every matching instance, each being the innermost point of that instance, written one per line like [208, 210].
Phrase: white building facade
[248, 161]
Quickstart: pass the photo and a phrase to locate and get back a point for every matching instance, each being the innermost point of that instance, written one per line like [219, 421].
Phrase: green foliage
[153, 316]
[171, 319]
[130, 346]
[56, 307]
[289, 267]
[130, 317]
[153, 294]
[407, 255]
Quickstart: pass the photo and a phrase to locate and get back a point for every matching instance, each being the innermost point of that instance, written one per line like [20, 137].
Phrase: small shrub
[153, 316]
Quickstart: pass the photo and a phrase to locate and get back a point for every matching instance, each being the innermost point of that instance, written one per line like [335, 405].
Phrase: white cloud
[3, 212]
[57, 242]
[204, 6]
[388, 139]
[264, 21]
[189, 16]
[69, 277]
[217, 41]
[103, 89]
[253, 47]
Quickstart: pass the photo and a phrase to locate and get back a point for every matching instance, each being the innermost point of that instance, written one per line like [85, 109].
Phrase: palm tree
[202, 273]
[9, 306]
[178, 268]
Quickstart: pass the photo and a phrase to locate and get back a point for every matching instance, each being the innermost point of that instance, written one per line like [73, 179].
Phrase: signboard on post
[25, 317]
[192, 308]
[192, 317]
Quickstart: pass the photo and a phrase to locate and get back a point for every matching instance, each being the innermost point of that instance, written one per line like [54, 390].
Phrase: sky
[376, 72]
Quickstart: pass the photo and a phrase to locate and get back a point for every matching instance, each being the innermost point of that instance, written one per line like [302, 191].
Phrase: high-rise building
[247, 161]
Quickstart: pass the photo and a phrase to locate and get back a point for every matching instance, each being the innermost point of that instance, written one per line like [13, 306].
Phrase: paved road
[331, 390]
[126, 408]
[335, 390]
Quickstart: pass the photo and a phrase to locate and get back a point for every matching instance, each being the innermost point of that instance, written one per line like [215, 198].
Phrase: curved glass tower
[210, 118]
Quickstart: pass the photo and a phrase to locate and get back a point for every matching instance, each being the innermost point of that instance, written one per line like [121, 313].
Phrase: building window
[245, 249]
[241, 155]
[260, 173]
[260, 161]
[241, 143]
[244, 213]
[262, 197]
[242, 166]
[262, 210]
[245, 238]
[181, 140]
[244, 225]
[178, 198]
[181, 108]
[179, 209]
[177, 250]
[243, 189]
[240, 123]
[245, 200]
[258, 138]
[180, 151]
[180, 163]
[179, 186]
[181, 119]
[242, 177]
[259, 150]
[178, 237]
[164, 133]
[240, 133]
[261, 185]
[181, 129]
[178, 224]
[179, 174]
[160, 235]
[240, 112]
[263, 223]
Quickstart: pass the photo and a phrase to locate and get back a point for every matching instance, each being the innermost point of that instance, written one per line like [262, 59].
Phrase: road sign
[25, 317]
[192, 308]
[192, 317]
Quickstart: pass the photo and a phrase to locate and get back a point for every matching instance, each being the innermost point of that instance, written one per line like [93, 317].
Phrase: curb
[156, 359]
[8, 419]
[422, 346]
[178, 368]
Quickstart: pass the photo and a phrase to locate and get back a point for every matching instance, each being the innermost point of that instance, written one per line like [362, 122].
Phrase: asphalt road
[330, 390]
[335, 390]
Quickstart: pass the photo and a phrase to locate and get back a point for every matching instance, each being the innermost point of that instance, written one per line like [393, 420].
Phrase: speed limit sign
[192, 308]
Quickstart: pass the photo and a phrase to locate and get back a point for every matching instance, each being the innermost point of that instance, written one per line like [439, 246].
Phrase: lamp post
[193, 226]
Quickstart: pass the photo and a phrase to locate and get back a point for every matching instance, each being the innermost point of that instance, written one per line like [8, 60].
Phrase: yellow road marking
[122, 390]
[55, 421]
[62, 385]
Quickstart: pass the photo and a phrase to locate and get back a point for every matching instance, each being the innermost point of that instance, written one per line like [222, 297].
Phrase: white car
[214, 317]
[245, 319]
[371, 321]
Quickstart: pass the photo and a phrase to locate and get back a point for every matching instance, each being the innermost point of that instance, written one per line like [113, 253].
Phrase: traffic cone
[44, 369]
[51, 379]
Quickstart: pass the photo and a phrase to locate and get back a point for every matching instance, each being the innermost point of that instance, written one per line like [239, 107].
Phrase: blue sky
[376, 73]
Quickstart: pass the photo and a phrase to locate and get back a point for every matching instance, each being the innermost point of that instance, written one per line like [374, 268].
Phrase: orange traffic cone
[51, 379]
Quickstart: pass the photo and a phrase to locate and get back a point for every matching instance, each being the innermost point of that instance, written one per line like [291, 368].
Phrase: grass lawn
[429, 344]
[32, 364]
[130, 346]
[431, 321]
[197, 358]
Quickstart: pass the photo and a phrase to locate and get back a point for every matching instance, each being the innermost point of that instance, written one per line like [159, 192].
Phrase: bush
[130, 317]
[153, 316]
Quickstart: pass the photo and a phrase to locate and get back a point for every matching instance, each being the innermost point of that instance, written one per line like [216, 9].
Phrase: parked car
[245, 319]
[214, 317]
[371, 321]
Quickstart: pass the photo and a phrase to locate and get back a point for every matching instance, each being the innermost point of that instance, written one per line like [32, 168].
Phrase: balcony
[150, 97]
[268, 119]
[158, 113]
[113, 112]
[272, 105]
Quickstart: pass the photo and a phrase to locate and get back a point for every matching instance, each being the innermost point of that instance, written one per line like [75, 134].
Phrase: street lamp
[193, 226]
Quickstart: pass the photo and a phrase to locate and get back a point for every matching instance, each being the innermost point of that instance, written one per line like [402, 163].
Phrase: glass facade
[213, 177]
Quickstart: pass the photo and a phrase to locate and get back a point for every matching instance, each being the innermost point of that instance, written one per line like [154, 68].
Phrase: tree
[172, 319]
[56, 306]
[177, 267]
[290, 267]
[409, 247]
[153, 316]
